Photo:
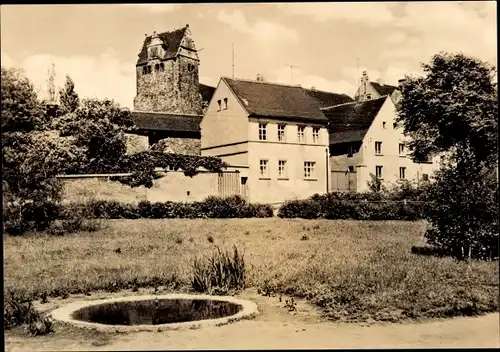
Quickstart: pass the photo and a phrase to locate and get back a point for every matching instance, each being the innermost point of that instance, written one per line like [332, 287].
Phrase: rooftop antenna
[233, 60]
[291, 72]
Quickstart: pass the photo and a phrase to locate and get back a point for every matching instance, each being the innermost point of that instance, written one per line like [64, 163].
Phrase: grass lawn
[353, 270]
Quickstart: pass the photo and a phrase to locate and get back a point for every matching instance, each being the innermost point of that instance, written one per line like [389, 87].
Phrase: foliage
[31, 162]
[98, 128]
[20, 312]
[455, 103]
[464, 216]
[212, 207]
[221, 273]
[21, 110]
[453, 110]
[402, 202]
[68, 98]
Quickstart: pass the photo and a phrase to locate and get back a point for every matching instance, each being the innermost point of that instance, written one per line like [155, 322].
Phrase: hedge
[211, 207]
[356, 206]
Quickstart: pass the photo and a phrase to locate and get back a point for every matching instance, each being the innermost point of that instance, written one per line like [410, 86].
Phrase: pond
[156, 311]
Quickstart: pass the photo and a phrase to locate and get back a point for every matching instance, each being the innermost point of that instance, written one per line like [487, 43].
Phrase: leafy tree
[68, 98]
[453, 107]
[99, 128]
[463, 216]
[21, 109]
[453, 110]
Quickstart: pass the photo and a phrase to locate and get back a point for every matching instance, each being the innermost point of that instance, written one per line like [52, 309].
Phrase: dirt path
[276, 328]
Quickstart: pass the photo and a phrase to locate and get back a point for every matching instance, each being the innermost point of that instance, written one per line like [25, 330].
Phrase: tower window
[157, 68]
[146, 70]
[190, 67]
[162, 67]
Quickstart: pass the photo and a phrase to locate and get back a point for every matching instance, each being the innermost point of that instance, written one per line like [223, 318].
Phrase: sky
[327, 44]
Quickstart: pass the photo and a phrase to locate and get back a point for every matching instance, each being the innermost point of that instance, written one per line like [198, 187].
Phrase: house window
[425, 177]
[378, 171]
[218, 105]
[282, 173]
[383, 124]
[309, 169]
[281, 133]
[301, 134]
[401, 149]
[225, 103]
[315, 135]
[351, 168]
[378, 147]
[264, 170]
[262, 132]
[402, 173]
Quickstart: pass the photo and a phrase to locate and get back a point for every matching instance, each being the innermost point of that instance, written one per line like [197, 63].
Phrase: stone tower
[167, 74]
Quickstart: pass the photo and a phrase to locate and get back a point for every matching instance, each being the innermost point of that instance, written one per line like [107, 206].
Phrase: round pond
[155, 312]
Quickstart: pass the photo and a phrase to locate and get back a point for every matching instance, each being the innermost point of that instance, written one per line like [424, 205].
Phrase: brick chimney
[401, 83]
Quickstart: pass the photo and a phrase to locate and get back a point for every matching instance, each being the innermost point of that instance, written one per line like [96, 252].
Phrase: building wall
[175, 90]
[389, 158]
[294, 186]
[226, 126]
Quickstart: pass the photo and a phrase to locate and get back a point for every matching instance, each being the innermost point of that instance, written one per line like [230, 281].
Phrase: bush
[19, 312]
[34, 216]
[221, 273]
[464, 216]
[357, 206]
[212, 207]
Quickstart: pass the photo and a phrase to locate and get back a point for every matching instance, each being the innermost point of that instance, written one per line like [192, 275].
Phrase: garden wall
[175, 186]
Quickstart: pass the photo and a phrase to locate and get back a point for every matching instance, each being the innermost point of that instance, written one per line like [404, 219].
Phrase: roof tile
[272, 100]
[350, 122]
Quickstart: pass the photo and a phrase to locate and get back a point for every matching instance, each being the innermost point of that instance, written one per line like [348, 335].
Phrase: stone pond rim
[65, 313]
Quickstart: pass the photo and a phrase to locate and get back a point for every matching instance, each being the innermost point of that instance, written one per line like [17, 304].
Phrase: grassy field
[354, 270]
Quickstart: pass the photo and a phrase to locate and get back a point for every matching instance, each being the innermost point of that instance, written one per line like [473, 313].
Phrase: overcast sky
[97, 45]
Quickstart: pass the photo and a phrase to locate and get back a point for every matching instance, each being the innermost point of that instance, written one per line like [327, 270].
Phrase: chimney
[313, 88]
[187, 25]
[401, 82]
[365, 77]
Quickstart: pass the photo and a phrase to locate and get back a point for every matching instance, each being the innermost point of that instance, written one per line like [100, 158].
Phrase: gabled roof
[327, 99]
[171, 42]
[350, 122]
[264, 99]
[153, 121]
[206, 92]
[383, 89]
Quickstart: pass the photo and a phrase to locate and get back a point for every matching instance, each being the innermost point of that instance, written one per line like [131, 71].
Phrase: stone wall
[175, 90]
[187, 146]
[136, 143]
